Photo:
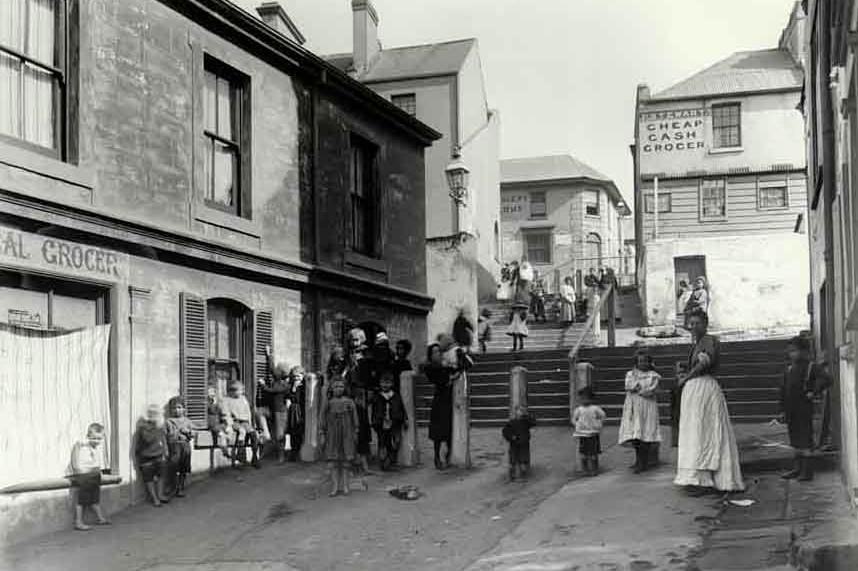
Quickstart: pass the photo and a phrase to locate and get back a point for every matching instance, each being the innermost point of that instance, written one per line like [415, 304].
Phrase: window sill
[726, 150]
[711, 220]
[209, 215]
[770, 208]
[366, 263]
[37, 163]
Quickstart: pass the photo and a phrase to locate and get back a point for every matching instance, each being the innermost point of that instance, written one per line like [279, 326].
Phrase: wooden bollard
[461, 449]
[517, 389]
[312, 408]
[409, 454]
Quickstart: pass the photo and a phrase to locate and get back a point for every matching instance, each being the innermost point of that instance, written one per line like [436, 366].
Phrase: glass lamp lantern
[457, 178]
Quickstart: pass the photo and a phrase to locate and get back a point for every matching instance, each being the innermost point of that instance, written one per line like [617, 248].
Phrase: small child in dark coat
[150, 453]
[388, 419]
[517, 433]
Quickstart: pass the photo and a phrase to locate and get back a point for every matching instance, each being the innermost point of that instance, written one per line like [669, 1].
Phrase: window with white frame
[33, 74]
[713, 199]
[726, 125]
[538, 246]
[406, 101]
[591, 204]
[772, 195]
[664, 202]
[538, 207]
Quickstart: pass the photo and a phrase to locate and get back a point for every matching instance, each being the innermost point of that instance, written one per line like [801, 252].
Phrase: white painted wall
[756, 283]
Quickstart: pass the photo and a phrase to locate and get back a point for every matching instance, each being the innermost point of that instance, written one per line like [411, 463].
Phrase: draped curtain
[27, 91]
[52, 386]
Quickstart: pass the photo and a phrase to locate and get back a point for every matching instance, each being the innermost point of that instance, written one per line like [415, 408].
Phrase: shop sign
[25, 318]
[47, 254]
[673, 131]
[514, 206]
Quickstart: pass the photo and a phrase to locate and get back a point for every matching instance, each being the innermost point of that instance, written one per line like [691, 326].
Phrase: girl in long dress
[708, 456]
[640, 427]
[441, 413]
[567, 301]
[339, 434]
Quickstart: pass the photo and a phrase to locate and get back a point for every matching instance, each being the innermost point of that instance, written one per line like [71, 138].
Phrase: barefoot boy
[86, 460]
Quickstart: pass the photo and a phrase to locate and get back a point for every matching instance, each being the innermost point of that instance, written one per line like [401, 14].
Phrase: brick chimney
[365, 35]
[273, 14]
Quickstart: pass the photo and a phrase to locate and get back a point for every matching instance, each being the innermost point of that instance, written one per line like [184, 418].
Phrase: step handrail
[590, 323]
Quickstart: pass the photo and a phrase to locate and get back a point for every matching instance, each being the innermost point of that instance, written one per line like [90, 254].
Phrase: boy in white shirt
[86, 464]
[588, 419]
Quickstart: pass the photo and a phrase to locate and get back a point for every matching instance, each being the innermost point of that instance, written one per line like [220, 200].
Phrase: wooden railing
[608, 297]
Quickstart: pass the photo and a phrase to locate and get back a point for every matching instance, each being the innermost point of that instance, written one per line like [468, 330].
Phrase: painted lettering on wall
[672, 131]
[45, 253]
[514, 206]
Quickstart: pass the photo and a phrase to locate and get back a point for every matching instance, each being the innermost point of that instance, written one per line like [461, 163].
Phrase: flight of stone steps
[750, 374]
[546, 335]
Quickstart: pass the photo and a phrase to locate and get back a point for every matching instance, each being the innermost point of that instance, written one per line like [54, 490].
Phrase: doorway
[686, 269]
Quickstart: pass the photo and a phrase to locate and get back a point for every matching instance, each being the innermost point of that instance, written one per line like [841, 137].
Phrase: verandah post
[409, 453]
[461, 449]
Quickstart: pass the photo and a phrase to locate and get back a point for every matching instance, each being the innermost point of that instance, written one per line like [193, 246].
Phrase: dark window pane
[407, 102]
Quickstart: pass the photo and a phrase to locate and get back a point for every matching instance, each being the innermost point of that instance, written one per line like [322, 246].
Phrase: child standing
[388, 419]
[640, 426]
[295, 421]
[239, 422]
[518, 326]
[588, 419]
[339, 434]
[484, 329]
[180, 433]
[86, 460]
[517, 433]
[150, 451]
[803, 381]
[401, 362]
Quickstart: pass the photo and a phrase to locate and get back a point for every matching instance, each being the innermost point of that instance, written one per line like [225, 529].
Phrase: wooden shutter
[263, 335]
[194, 356]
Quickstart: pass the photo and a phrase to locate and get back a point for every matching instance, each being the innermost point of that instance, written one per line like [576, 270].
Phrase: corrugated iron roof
[742, 72]
[411, 61]
[553, 168]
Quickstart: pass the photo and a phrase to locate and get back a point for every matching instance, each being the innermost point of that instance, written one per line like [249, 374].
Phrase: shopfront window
[37, 302]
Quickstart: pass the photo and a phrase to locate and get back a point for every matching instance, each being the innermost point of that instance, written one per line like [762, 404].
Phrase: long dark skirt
[441, 415]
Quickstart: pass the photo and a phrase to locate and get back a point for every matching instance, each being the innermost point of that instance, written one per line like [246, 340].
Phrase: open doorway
[686, 270]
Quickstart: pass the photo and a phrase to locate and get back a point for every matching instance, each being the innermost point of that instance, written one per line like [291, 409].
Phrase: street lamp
[457, 178]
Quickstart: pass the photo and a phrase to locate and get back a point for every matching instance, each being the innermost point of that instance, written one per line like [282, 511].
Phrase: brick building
[442, 84]
[182, 184]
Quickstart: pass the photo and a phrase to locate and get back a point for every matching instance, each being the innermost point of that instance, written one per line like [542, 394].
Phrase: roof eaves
[705, 96]
[227, 19]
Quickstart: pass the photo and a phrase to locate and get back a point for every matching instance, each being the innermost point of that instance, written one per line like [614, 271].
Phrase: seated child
[239, 422]
[150, 452]
[388, 419]
[180, 434]
[86, 460]
[214, 418]
[588, 419]
[517, 433]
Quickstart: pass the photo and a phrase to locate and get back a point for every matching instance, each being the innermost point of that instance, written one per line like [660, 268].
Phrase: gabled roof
[445, 58]
[742, 72]
[554, 168]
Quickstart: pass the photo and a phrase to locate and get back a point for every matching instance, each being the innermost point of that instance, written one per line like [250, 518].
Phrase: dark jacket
[151, 443]
[518, 429]
[396, 408]
[463, 331]
[275, 395]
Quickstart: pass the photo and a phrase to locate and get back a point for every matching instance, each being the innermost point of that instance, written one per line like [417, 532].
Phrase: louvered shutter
[194, 357]
[263, 335]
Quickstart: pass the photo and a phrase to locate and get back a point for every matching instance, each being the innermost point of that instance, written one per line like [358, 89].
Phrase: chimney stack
[273, 14]
[365, 35]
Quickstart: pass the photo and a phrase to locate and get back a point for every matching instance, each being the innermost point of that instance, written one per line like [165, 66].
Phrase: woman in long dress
[640, 427]
[708, 456]
[567, 301]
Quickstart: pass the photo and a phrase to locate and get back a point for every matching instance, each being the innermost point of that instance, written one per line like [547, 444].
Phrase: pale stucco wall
[452, 280]
[472, 96]
[482, 211]
[772, 133]
[756, 283]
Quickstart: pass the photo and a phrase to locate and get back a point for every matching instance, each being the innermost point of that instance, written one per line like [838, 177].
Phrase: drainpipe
[654, 208]
[829, 178]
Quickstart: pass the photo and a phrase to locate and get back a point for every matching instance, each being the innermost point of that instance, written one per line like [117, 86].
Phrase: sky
[563, 73]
